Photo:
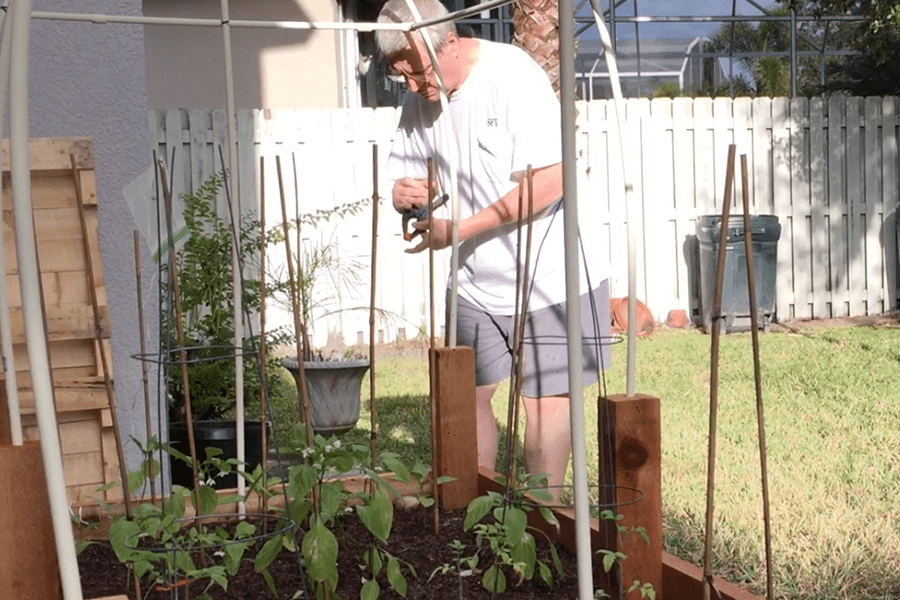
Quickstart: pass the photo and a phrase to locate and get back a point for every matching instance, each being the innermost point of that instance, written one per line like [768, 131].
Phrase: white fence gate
[827, 168]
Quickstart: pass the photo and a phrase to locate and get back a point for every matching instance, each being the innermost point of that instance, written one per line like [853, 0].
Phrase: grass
[832, 433]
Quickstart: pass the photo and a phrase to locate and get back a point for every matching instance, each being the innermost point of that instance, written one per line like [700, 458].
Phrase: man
[502, 116]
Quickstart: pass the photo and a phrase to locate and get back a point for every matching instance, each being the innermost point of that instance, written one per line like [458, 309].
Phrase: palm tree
[536, 30]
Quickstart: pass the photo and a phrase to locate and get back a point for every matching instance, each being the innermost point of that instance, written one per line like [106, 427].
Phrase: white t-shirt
[504, 117]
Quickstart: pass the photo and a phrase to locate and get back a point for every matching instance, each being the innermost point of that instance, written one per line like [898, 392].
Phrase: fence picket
[874, 206]
[817, 201]
[800, 208]
[890, 191]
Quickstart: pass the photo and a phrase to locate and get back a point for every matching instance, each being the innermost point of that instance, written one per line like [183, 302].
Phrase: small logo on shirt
[492, 122]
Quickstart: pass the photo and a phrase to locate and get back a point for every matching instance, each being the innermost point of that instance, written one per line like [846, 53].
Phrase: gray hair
[391, 42]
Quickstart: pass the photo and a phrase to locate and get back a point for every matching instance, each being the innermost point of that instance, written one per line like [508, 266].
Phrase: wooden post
[633, 434]
[456, 431]
[28, 565]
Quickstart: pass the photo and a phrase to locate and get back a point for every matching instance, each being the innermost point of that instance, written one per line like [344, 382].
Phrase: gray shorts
[545, 355]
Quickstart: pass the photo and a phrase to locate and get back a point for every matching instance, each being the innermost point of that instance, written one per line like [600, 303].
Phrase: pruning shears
[420, 214]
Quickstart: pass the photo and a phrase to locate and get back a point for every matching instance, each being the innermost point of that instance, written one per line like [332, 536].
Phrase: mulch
[412, 540]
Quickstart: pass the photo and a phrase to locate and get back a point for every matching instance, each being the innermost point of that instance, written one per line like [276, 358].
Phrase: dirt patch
[412, 540]
[891, 319]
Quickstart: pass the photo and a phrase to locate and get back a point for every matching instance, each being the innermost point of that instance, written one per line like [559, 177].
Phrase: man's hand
[409, 194]
[435, 232]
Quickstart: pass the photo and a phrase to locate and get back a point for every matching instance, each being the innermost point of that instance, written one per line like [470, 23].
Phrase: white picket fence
[827, 168]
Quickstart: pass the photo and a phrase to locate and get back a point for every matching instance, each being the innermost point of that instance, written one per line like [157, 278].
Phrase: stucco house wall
[273, 68]
[89, 80]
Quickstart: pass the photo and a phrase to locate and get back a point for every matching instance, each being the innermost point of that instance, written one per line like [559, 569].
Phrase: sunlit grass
[833, 438]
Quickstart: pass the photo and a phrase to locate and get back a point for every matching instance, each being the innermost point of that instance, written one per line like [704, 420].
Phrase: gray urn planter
[334, 389]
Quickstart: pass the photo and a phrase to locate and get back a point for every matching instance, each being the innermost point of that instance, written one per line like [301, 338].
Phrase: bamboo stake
[145, 367]
[98, 332]
[432, 375]
[263, 409]
[299, 327]
[526, 282]
[714, 378]
[179, 330]
[512, 438]
[760, 419]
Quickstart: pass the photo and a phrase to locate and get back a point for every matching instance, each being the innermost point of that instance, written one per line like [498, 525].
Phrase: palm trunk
[536, 24]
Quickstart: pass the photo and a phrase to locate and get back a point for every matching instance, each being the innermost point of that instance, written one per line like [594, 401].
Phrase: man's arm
[547, 186]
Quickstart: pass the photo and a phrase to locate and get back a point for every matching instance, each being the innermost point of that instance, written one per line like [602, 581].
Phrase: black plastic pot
[215, 434]
[334, 389]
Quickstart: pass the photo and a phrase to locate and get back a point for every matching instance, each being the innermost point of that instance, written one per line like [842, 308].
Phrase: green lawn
[833, 437]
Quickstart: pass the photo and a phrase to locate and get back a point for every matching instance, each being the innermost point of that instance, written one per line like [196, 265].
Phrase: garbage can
[764, 234]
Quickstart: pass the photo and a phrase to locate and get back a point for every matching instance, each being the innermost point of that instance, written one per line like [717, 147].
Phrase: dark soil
[412, 540]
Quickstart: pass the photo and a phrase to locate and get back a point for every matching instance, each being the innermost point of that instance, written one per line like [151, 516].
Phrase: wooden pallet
[90, 458]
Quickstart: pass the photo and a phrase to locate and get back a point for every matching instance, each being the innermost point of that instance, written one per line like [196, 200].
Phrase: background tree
[768, 74]
[873, 70]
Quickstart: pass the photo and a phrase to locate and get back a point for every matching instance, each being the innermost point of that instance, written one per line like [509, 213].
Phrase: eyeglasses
[418, 76]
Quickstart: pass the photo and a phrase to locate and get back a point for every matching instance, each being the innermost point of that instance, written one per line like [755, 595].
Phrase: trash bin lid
[763, 228]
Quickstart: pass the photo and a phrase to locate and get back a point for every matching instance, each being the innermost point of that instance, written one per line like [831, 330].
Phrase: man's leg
[548, 440]
[488, 433]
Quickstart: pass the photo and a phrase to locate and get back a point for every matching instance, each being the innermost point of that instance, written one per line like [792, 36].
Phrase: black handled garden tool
[420, 214]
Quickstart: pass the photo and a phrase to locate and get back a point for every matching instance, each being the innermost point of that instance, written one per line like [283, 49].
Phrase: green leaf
[377, 515]
[270, 581]
[524, 554]
[175, 504]
[209, 500]
[267, 553]
[142, 567]
[445, 479]
[231, 499]
[244, 529]
[515, 523]
[419, 471]
[301, 480]
[494, 580]
[375, 563]
[549, 517]
[609, 559]
[219, 577]
[119, 532]
[135, 480]
[395, 577]
[477, 510]
[233, 555]
[370, 590]
[320, 549]
[299, 510]
[400, 471]
[545, 574]
[556, 562]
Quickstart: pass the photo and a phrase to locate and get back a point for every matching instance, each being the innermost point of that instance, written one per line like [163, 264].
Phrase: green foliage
[668, 90]
[502, 527]
[205, 288]
[322, 271]
[163, 546]
[867, 66]
[317, 499]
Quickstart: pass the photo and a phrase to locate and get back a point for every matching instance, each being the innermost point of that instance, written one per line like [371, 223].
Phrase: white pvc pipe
[102, 19]
[630, 212]
[9, 362]
[29, 275]
[454, 192]
[237, 292]
[574, 342]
